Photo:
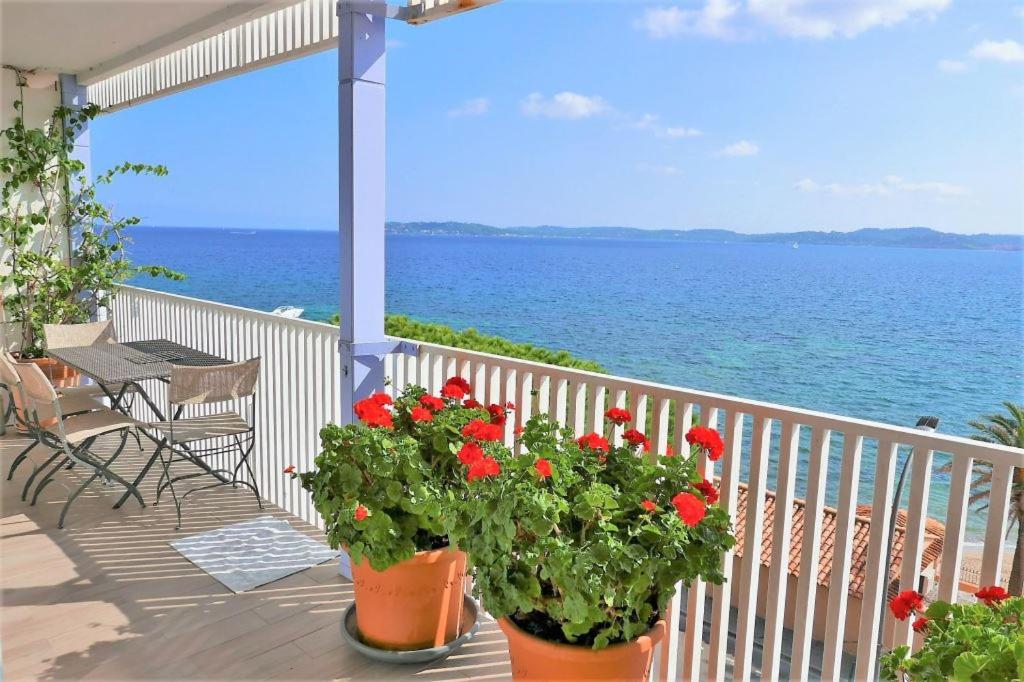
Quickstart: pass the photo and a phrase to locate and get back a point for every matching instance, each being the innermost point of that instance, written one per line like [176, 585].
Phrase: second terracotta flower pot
[538, 659]
[416, 604]
[59, 374]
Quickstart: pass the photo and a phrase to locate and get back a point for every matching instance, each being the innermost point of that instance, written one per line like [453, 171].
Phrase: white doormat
[253, 553]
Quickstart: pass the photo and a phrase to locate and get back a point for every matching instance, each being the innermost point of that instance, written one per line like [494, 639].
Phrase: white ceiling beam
[210, 25]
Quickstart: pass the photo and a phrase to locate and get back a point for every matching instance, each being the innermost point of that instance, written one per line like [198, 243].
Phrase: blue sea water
[879, 333]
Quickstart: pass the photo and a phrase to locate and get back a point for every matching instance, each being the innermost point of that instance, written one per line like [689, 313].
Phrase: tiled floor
[108, 598]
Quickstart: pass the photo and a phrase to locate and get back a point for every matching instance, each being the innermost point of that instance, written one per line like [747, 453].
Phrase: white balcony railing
[764, 442]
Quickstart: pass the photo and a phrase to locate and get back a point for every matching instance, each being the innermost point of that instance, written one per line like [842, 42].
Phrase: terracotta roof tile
[934, 534]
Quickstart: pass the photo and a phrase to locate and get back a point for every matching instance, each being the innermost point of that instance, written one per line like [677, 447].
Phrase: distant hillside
[912, 237]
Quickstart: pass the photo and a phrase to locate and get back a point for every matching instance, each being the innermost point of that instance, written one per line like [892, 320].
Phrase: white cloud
[792, 18]
[478, 106]
[565, 105]
[828, 18]
[657, 168]
[671, 22]
[889, 186]
[652, 123]
[676, 133]
[999, 50]
[952, 66]
[741, 148]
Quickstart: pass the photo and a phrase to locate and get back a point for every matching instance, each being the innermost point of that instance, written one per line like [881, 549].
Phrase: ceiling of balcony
[96, 38]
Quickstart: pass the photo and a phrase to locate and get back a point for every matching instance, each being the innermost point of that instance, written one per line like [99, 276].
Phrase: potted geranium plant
[64, 249]
[383, 487]
[576, 545]
[983, 640]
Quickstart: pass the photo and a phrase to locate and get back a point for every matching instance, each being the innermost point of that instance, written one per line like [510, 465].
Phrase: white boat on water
[289, 311]
[796, 245]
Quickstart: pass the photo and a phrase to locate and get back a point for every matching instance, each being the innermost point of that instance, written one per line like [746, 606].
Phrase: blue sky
[752, 115]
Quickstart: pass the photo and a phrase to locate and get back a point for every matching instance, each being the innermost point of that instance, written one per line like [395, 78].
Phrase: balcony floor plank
[108, 598]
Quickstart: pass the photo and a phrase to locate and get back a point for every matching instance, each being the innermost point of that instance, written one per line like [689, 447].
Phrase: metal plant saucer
[470, 626]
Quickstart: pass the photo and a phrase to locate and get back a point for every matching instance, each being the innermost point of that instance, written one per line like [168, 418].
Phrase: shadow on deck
[108, 598]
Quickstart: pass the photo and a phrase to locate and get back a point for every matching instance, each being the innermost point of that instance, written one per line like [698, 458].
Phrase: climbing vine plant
[65, 249]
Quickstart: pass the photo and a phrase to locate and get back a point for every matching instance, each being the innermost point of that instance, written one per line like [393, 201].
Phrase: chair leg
[35, 472]
[252, 476]
[46, 480]
[22, 456]
[72, 497]
[170, 484]
[102, 469]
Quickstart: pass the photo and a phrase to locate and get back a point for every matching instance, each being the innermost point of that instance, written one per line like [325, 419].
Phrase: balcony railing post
[361, 69]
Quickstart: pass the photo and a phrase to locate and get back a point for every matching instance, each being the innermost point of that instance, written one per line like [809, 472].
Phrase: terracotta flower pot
[416, 604]
[59, 374]
[538, 659]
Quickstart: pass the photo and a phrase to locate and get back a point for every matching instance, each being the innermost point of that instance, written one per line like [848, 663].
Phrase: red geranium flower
[518, 431]
[432, 403]
[361, 513]
[471, 404]
[452, 391]
[480, 430]
[372, 414]
[905, 603]
[470, 452]
[455, 388]
[421, 414]
[483, 468]
[289, 469]
[707, 440]
[382, 399]
[708, 490]
[634, 438]
[617, 415]
[691, 509]
[921, 624]
[498, 415]
[460, 383]
[510, 406]
[992, 595]
[593, 441]
[543, 467]
[648, 505]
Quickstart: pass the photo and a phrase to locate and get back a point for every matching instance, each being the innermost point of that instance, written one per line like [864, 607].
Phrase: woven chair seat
[70, 404]
[80, 427]
[202, 428]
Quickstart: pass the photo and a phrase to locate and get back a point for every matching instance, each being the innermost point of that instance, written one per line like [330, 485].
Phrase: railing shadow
[109, 598]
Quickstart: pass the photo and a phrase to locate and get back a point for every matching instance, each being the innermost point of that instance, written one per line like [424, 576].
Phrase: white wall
[38, 105]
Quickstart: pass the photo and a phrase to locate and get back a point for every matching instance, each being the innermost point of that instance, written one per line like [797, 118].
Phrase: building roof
[933, 539]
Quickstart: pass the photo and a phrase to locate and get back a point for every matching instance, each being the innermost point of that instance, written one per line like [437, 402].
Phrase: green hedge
[471, 339]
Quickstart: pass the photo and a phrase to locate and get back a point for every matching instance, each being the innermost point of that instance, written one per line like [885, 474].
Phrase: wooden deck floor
[108, 598]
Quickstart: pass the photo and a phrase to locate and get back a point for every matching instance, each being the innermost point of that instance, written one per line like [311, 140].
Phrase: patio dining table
[120, 369]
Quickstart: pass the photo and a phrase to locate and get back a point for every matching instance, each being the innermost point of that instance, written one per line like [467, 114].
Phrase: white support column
[361, 126]
[73, 96]
[361, 66]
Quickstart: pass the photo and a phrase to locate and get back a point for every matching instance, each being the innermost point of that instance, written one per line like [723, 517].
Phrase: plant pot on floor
[534, 658]
[415, 604]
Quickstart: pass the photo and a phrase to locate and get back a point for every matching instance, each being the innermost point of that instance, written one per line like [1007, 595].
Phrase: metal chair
[197, 439]
[71, 437]
[70, 401]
